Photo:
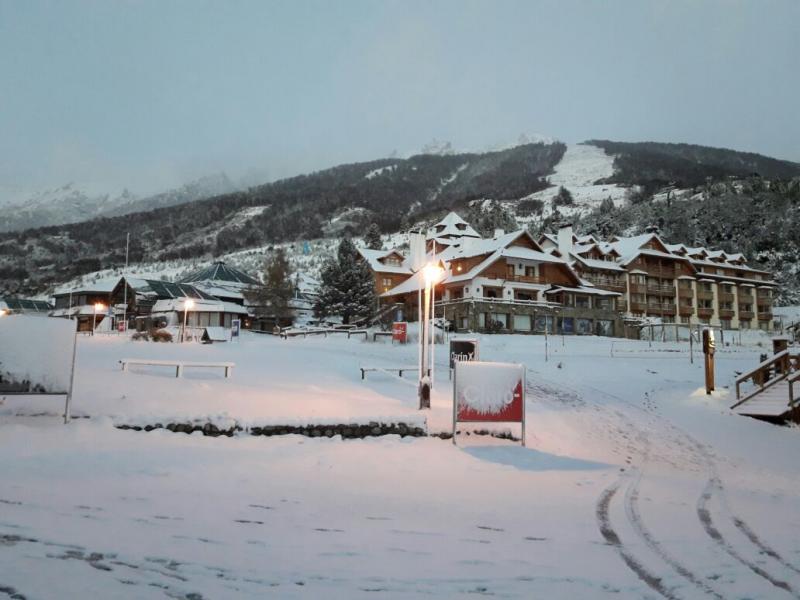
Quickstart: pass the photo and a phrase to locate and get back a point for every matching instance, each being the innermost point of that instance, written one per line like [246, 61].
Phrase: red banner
[399, 331]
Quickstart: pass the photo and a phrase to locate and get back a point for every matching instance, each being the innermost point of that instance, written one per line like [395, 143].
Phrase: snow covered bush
[160, 335]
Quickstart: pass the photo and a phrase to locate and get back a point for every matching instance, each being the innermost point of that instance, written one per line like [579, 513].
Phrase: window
[522, 322]
[387, 282]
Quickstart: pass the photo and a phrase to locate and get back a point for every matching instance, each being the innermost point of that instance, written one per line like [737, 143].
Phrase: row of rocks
[346, 430]
[351, 430]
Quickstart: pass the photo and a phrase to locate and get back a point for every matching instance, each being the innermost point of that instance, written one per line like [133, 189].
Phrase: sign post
[236, 325]
[463, 350]
[488, 392]
[708, 352]
[400, 332]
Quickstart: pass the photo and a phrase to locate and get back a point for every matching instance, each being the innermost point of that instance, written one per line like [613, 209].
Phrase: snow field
[634, 484]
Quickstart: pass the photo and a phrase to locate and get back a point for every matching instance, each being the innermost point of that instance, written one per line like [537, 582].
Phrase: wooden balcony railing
[705, 313]
[746, 314]
[764, 316]
[607, 284]
[726, 313]
[725, 297]
[661, 309]
[686, 311]
[702, 295]
[523, 279]
[685, 292]
[638, 288]
[661, 290]
[638, 307]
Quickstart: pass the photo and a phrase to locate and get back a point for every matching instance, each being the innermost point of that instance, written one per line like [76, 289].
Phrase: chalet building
[151, 303]
[222, 281]
[510, 283]
[87, 304]
[24, 306]
[673, 282]
[389, 267]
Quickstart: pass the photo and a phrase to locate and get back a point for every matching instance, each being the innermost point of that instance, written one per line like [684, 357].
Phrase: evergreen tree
[347, 286]
[563, 197]
[372, 238]
[272, 297]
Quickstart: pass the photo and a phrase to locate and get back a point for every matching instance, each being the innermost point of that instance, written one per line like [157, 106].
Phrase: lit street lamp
[98, 307]
[432, 273]
[186, 306]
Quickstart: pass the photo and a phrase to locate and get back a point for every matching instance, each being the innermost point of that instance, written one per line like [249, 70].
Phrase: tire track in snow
[612, 538]
[751, 535]
[706, 520]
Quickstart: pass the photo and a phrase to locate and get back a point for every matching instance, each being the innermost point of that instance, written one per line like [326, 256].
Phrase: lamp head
[189, 303]
[99, 307]
[432, 273]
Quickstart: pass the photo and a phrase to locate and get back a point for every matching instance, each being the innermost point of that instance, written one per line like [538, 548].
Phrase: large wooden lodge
[564, 283]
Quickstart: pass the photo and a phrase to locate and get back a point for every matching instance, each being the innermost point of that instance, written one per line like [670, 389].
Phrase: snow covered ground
[634, 482]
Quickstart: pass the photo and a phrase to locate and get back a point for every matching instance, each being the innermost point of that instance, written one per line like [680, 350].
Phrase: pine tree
[563, 197]
[272, 298]
[347, 286]
[372, 238]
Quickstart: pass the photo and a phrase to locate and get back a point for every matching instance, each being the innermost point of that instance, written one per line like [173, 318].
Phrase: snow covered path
[634, 485]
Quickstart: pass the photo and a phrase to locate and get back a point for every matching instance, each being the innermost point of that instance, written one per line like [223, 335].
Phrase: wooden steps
[770, 402]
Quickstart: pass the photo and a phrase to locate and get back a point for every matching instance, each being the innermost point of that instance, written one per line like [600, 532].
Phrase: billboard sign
[463, 350]
[400, 331]
[489, 392]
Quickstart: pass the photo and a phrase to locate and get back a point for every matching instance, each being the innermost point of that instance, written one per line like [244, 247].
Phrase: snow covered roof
[102, 286]
[452, 226]
[220, 272]
[167, 289]
[375, 259]
[582, 290]
[179, 305]
[593, 263]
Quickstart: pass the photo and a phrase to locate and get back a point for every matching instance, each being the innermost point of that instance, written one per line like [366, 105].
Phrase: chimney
[499, 232]
[565, 240]
[651, 229]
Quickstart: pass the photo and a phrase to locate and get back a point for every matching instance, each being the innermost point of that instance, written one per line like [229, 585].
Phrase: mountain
[69, 204]
[600, 185]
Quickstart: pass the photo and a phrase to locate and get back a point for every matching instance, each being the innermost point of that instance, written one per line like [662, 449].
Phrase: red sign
[489, 392]
[121, 326]
[399, 331]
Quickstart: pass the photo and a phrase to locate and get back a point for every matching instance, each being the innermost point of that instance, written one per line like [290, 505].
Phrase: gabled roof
[165, 290]
[452, 226]
[375, 257]
[222, 273]
[480, 247]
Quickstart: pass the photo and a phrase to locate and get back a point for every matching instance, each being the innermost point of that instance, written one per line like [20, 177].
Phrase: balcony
[614, 285]
[705, 313]
[638, 307]
[622, 306]
[525, 279]
[661, 309]
[658, 271]
[661, 290]
[726, 297]
[726, 313]
[764, 316]
[746, 314]
[703, 295]
[686, 311]
[638, 288]
[685, 292]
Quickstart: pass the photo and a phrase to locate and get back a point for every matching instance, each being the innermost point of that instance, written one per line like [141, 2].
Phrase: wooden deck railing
[783, 363]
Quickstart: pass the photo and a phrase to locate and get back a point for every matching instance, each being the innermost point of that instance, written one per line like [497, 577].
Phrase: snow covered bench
[399, 370]
[377, 334]
[363, 332]
[178, 364]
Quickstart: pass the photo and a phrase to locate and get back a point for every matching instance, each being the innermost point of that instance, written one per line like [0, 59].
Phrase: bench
[399, 370]
[178, 364]
[378, 334]
[304, 332]
[363, 332]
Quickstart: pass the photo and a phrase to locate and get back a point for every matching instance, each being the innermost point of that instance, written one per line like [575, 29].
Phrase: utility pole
[125, 278]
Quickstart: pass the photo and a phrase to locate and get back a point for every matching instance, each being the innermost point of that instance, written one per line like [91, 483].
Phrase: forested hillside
[390, 192]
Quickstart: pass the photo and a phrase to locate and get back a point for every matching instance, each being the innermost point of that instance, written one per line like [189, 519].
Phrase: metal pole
[68, 403]
[183, 333]
[94, 320]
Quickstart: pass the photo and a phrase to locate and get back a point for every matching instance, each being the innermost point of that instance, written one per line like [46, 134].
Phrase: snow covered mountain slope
[579, 170]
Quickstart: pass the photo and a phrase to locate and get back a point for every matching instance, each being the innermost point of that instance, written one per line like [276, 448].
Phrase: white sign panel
[36, 352]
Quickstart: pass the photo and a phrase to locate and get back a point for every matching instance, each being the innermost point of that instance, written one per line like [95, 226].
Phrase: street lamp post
[431, 272]
[186, 306]
[98, 306]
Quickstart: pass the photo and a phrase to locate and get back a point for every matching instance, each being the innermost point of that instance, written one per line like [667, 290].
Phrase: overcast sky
[148, 95]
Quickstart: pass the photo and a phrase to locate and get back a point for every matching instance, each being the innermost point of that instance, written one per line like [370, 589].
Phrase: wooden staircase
[773, 397]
